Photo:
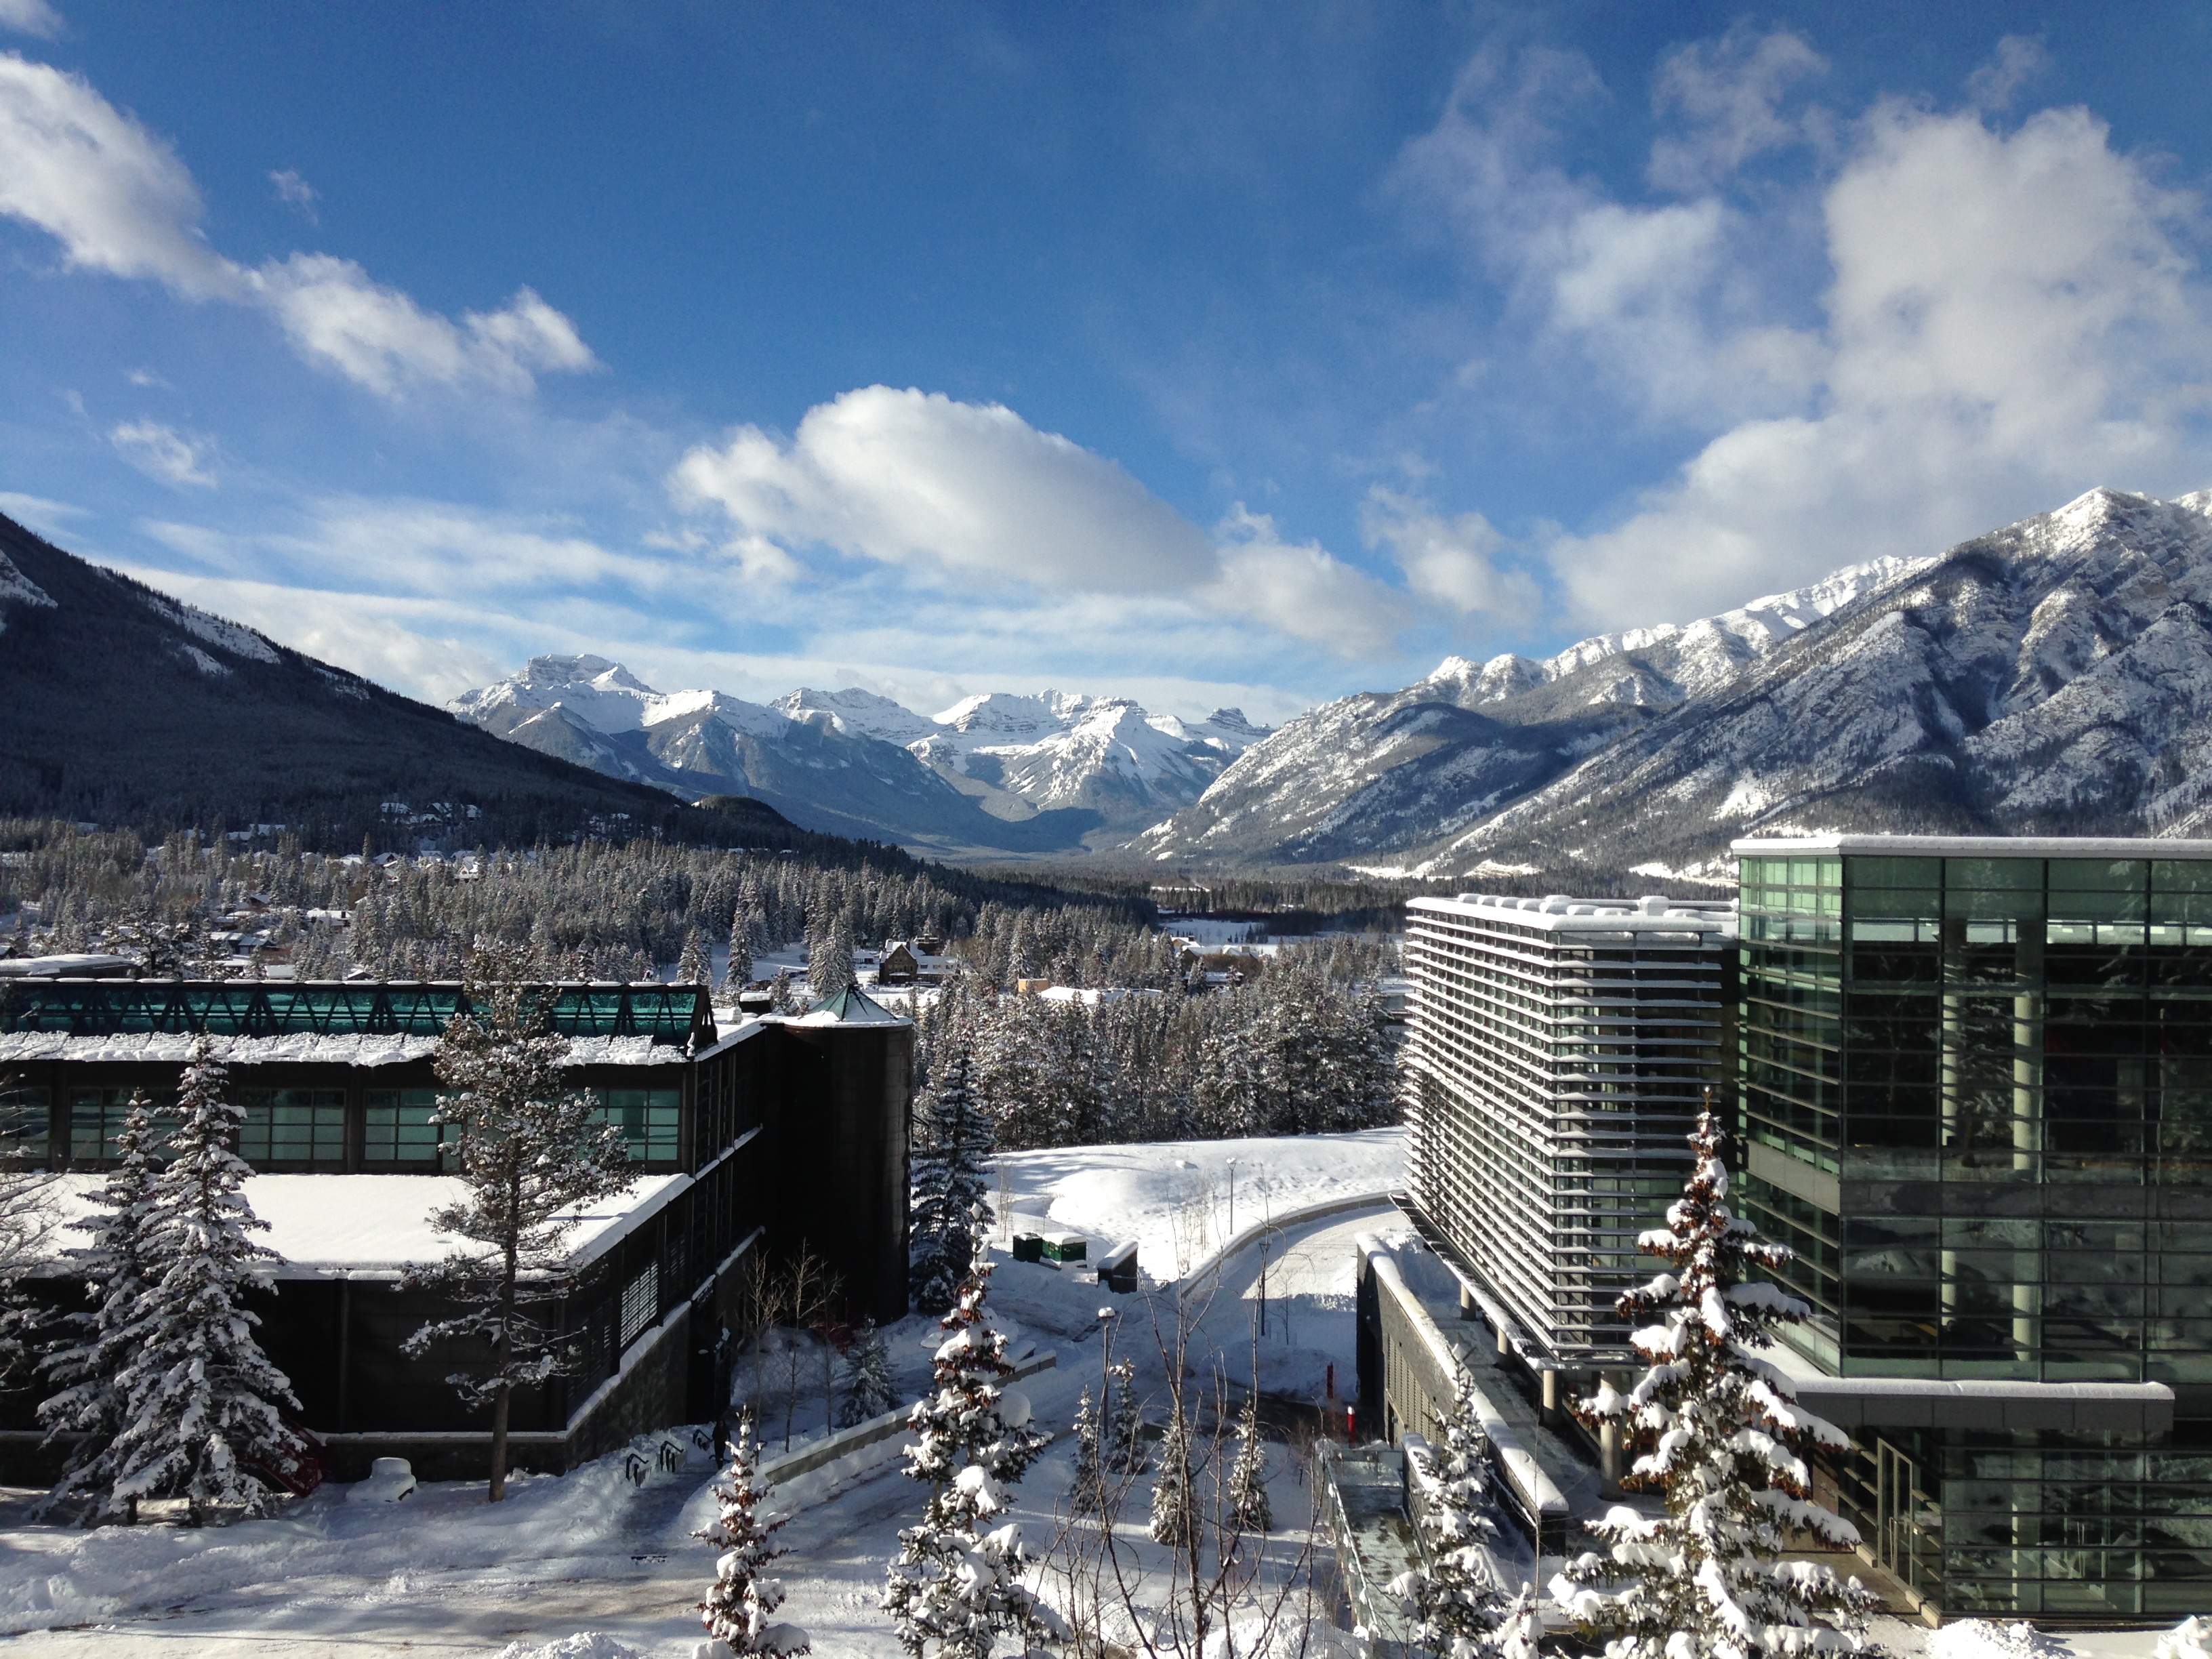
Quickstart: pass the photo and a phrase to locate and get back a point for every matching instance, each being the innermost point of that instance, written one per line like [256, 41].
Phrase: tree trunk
[498, 1445]
[502, 1343]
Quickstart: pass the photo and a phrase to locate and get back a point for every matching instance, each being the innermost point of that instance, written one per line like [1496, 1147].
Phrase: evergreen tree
[957, 1584]
[948, 1204]
[696, 966]
[200, 1400]
[869, 1390]
[787, 998]
[86, 1362]
[1248, 1510]
[829, 957]
[531, 1149]
[1086, 1493]
[1125, 1439]
[1727, 1438]
[736, 1610]
[738, 972]
[1454, 1599]
[1175, 1494]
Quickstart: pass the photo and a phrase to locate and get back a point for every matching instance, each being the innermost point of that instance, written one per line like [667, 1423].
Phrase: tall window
[650, 1119]
[96, 1119]
[293, 1126]
[23, 1124]
[397, 1126]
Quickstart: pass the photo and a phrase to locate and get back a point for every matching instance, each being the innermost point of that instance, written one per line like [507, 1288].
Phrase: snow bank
[1978, 1638]
[573, 1525]
[583, 1644]
[1174, 1197]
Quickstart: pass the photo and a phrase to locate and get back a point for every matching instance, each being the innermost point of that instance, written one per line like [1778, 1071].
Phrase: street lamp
[1232, 1198]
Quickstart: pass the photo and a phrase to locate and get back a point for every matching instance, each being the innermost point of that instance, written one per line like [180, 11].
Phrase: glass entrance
[1908, 1523]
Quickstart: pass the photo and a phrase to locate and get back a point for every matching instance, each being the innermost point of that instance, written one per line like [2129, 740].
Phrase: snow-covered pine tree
[1456, 1604]
[1125, 1440]
[1249, 1509]
[949, 1202]
[1175, 1494]
[786, 996]
[200, 1400]
[736, 1610]
[956, 1583]
[737, 973]
[530, 1149]
[90, 1356]
[829, 957]
[696, 966]
[1086, 1492]
[1727, 1437]
[869, 1390]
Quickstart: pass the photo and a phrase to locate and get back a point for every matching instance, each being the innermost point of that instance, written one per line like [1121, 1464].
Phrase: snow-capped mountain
[1020, 755]
[1016, 773]
[995, 771]
[2056, 675]
[1377, 772]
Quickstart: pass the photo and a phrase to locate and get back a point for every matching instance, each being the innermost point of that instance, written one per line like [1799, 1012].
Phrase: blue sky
[1218, 353]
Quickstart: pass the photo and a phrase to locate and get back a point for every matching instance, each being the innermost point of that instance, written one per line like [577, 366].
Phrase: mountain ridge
[996, 770]
[2087, 666]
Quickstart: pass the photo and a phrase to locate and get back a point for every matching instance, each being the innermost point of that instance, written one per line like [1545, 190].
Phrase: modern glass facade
[1975, 1090]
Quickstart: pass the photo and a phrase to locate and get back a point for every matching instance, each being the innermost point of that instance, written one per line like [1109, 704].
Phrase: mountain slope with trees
[126, 707]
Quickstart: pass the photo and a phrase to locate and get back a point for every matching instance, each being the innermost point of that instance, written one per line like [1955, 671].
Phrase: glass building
[1975, 1095]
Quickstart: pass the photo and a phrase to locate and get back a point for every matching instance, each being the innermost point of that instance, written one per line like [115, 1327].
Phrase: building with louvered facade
[1560, 1050]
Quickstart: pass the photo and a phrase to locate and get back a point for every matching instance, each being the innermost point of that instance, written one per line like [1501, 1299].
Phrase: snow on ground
[589, 1565]
[1181, 1199]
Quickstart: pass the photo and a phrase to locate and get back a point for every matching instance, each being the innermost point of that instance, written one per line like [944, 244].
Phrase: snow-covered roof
[346, 1226]
[301, 1047]
[1091, 997]
[1975, 846]
[850, 1007]
[79, 966]
[1558, 913]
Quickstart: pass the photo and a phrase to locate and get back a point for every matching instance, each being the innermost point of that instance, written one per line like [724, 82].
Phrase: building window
[651, 1120]
[641, 1303]
[96, 1119]
[397, 1126]
[23, 1124]
[293, 1126]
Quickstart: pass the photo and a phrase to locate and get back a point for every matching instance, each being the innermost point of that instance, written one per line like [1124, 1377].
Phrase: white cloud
[952, 489]
[2019, 59]
[49, 518]
[1728, 94]
[337, 317]
[296, 192]
[1303, 591]
[1450, 561]
[2012, 319]
[1657, 301]
[116, 197]
[161, 452]
[119, 201]
[31, 17]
